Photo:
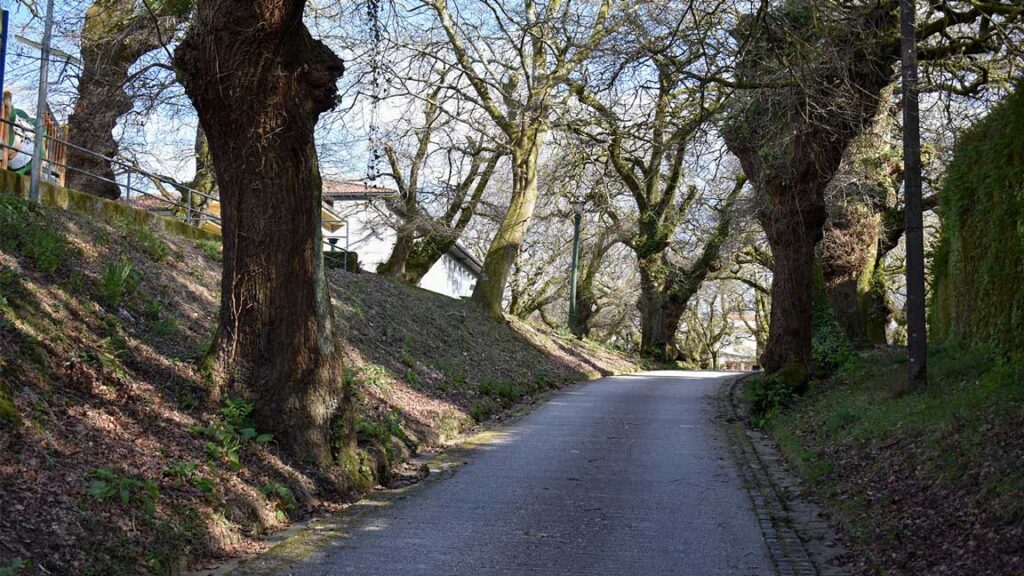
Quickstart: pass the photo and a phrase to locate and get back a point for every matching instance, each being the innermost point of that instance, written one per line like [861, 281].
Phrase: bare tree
[432, 216]
[115, 35]
[515, 57]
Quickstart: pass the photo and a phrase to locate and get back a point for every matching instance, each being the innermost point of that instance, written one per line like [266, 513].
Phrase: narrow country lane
[627, 475]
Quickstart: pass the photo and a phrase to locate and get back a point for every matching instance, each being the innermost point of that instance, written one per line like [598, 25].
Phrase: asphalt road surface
[627, 475]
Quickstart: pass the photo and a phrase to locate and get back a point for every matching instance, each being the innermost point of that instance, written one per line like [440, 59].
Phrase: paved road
[626, 475]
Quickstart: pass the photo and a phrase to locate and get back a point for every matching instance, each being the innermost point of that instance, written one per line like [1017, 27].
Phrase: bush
[483, 409]
[504, 392]
[830, 346]
[768, 395]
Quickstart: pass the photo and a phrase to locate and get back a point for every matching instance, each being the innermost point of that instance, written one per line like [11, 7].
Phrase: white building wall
[372, 241]
[448, 276]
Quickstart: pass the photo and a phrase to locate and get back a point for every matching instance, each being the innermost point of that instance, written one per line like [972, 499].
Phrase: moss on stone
[111, 210]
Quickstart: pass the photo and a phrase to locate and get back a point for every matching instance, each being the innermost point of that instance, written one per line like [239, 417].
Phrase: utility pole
[917, 339]
[577, 219]
[39, 138]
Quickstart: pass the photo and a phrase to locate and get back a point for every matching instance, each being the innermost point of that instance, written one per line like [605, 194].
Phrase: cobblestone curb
[799, 540]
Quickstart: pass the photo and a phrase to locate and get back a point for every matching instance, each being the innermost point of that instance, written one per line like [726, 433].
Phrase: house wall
[449, 276]
[372, 240]
[368, 236]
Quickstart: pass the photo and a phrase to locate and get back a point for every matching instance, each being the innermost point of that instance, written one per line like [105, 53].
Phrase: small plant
[14, 567]
[483, 409]
[119, 280]
[282, 496]
[211, 248]
[231, 432]
[188, 473]
[107, 486]
[374, 376]
[182, 471]
[146, 240]
[382, 429]
[161, 325]
[505, 392]
[412, 377]
[768, 395]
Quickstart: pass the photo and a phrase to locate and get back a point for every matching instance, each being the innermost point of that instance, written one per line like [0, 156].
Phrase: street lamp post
[577, 219]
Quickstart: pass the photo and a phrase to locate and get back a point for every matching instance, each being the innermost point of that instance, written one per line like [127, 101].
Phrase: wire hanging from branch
[378, 91]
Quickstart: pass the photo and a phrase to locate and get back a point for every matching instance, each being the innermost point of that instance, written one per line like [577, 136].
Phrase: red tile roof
[349, 190]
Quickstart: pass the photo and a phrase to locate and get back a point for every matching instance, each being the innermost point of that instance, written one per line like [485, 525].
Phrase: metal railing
[184, 209]
[190, 213]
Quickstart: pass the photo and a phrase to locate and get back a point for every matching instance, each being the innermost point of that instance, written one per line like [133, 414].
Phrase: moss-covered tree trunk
[851, 267]
[790, 140]
[504, 248]
[442, 233]
[654, 342]
[259, 82]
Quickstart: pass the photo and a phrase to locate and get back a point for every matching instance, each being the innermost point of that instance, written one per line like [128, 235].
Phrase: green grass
[211, 248]
[25, 232]
[837, 433]
[146, 240]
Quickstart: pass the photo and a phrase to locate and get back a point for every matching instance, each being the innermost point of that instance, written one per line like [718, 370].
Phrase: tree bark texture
[259, 82]
[504, 249]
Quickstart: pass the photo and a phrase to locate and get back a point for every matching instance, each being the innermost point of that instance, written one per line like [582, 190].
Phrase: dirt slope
[113, 460]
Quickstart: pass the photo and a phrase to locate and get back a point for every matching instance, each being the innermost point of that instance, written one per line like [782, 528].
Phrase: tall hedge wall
[978, 295]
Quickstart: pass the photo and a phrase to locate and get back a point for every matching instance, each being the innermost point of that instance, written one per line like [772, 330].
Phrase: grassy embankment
[925, 483]
[114, 459]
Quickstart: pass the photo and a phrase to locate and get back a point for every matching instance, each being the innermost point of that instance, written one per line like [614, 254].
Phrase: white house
[359, 226]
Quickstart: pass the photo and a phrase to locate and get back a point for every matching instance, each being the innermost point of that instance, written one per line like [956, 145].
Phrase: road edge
[800, 541]
[303, 540]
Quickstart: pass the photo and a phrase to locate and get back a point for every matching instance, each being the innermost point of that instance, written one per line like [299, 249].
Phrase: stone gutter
[800, 540]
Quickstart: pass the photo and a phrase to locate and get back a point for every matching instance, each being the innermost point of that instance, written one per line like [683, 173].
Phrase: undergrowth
[866, 451]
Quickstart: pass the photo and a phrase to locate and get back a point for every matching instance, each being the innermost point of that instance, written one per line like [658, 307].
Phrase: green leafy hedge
[978, 296]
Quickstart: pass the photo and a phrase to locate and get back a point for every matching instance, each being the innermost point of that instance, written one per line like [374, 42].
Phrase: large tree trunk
[395, 265]
[851, 262]
[790, 141]
[504, 249]
[259, 82]
[860, 200]
[793, 230]
[114, 37]
[205, 180]
[654, 342]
